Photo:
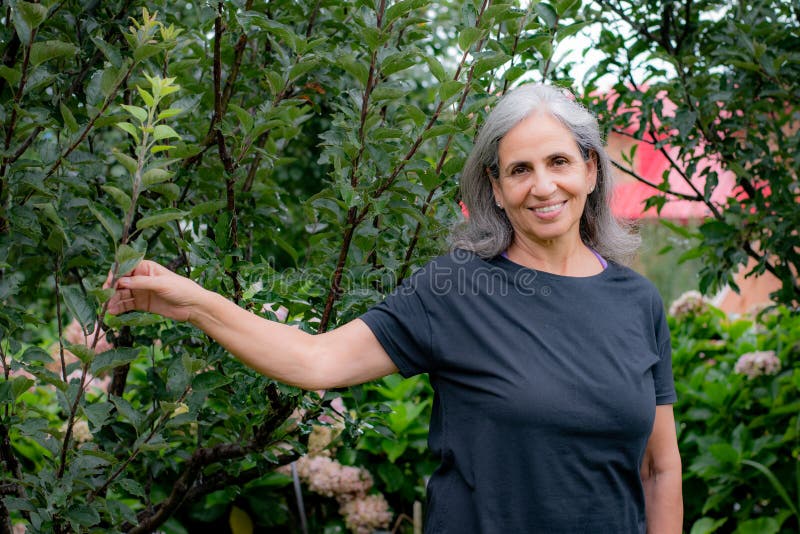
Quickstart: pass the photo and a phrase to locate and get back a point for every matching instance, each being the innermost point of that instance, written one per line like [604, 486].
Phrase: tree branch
[202, 457]
[631, 172]
[352, 214]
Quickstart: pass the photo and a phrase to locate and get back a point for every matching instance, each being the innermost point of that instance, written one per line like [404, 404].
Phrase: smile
[548, 209]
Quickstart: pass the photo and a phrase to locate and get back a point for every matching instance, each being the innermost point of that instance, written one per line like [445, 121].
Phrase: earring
[591, 190]
[498, 205]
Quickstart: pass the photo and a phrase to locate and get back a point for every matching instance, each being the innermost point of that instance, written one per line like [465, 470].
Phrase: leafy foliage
[739, 436]
[296, 154]
[720, 81]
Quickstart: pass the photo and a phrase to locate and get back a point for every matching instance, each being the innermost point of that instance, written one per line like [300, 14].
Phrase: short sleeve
[402, 326]
[662, 372]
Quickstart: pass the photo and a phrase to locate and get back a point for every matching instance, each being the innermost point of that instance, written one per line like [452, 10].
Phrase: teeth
[548, 209]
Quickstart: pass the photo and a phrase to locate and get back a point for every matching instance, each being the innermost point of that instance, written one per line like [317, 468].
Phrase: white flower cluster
[689, 303]
[363, 513]
[332, 479]
[758, 363]
[80, 431]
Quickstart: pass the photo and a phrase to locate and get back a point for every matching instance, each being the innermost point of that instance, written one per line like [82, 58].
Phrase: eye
[559, 161]
[519, 169]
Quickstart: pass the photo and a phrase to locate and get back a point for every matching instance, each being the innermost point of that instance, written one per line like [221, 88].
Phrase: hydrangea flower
[689, 303]
[758, 363]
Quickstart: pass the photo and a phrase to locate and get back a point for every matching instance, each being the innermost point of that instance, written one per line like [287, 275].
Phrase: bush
[738, 380]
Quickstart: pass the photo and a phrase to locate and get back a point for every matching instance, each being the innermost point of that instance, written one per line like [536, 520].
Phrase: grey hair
[487, 231]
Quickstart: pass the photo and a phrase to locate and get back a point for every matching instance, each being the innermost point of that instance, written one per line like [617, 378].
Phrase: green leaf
[397, 62]
[468, 37]
[169, 113]
[448, 89]
[776, 485]
[69, 118]
[98, 413]
[137, 319]
[120, 197]
[162, 131]
[131, 129]
[160, 148]
[436, 68]
[161, 217]
[46, 50]
[707, 525]
[83, 515]
[127, 259]
[303, 67]
[111, 53]
[244, 117]
[128, 162]
[137, 112]
[490, 62]
[10, 75]
[155, 176]
[147, 97]
[132, 487]
[762, 525]
[108, 220]
[27, 16]
[547, 14]
[204, 208]
[127, 411]
[79, 305]
[145, 51]
[210, 380]
[113, 358]
[84, 353]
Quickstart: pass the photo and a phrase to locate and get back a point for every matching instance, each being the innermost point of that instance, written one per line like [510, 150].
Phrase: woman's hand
[153, 288]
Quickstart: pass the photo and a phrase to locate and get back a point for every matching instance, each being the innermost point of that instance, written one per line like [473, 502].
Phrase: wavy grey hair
[487, 231]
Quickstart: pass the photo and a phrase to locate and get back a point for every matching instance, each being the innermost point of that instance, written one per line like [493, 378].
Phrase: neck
[572, 258]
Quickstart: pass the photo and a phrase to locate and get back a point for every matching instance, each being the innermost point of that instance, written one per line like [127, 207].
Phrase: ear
[496, 189]
[591, 172]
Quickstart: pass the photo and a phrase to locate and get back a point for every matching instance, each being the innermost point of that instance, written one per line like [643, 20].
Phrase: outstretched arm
[661, 476]
[350, 354]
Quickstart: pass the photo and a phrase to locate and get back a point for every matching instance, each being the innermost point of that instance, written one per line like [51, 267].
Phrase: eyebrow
[527, 163]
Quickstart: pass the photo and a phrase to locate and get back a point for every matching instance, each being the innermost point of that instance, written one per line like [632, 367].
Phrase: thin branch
[205, 456]
[352, 218]
[117, 472]
[640, 178]
[56, 276]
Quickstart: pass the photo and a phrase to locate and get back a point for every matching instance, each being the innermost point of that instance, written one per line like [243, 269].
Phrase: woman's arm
[661, 476]
[350, 354]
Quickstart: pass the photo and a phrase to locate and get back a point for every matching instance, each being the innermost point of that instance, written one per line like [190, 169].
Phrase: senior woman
[550, 360]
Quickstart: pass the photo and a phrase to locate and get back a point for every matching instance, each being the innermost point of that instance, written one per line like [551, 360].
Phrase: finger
[139, 282]
[107, 283]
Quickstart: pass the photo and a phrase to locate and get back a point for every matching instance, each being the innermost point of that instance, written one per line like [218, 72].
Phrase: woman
[549, 359]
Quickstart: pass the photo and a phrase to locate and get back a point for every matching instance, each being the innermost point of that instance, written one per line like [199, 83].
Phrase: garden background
[302, 158]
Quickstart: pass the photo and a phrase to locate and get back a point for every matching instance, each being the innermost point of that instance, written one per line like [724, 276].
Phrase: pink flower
[365, 514]
[689, 303]
[758, 363]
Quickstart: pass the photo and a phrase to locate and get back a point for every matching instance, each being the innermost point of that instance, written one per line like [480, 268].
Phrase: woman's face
[544, 180]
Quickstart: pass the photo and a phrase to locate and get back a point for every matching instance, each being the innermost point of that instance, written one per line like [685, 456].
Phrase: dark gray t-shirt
[545, 392]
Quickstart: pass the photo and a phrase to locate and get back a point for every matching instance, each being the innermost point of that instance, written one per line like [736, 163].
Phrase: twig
[161, 420]
[638, 177]
[56, 276]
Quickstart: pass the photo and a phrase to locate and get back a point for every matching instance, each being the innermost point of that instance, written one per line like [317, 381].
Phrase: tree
[301, 154]
[732, 72]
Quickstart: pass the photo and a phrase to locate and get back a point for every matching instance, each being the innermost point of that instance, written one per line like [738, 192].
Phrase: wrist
[201, 311]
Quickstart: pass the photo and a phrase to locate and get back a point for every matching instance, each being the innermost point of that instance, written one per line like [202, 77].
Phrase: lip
[549, 214]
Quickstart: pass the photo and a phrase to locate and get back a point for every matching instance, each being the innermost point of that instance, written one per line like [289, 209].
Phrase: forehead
[538, 134]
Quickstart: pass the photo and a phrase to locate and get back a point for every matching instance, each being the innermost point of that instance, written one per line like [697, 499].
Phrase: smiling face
[544, 180]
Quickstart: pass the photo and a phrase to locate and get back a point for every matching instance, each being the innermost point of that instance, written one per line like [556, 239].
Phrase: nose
[542, 185]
